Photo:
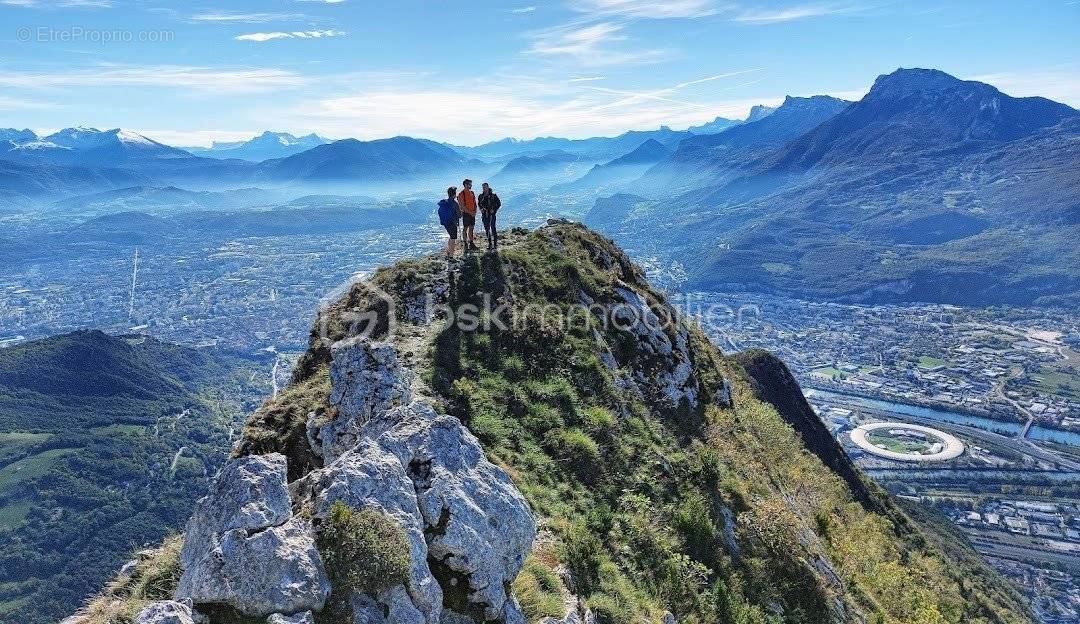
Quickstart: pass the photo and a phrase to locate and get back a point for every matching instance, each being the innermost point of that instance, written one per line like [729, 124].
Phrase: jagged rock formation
[300, 618]
[467, 524]
[665, 371]
[365, 382]
[591, 460]
[244, 547]
[468, 527]
[166, 612]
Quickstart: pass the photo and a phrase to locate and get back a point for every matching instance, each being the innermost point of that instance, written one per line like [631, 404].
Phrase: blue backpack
[448, 211]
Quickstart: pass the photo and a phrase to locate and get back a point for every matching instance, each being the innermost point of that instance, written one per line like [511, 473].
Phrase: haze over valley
[908, 250]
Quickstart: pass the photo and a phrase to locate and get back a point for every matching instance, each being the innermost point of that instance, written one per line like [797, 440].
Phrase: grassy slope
[632, 496]
[84, 478]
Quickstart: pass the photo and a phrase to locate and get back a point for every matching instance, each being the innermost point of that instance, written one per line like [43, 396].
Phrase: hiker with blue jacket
[449, 215]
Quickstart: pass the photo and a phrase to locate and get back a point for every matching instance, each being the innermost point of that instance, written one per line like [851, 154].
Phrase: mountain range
[758, 111]
[708, 159]
[622, 170]
[596, 148]
[383, 159]
[262, 147]
[930, 188]
[927, 183]
[542, 169]
[85, 147]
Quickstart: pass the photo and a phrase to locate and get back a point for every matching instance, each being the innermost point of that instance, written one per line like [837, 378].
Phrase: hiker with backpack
[466, 199]
[489, 206]
[449, 214]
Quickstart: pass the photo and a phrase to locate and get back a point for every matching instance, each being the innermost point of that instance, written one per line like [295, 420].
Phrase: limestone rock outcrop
[664, 371]
[365, 381]
[244, 548]
[299, 618]
[467, 524]
[165, 612]
[251, 544]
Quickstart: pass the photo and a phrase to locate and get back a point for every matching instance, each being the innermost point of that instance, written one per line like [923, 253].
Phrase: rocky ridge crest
[616, 474]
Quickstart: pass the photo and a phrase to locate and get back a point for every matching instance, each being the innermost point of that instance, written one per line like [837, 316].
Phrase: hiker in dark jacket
[489, 206]
[449, 215]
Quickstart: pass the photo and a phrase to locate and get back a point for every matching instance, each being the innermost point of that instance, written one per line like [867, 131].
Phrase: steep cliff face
[773, 383]
[538, 436]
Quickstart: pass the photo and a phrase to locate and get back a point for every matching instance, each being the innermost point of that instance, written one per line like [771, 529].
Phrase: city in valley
[1005, 381]
[310, 313]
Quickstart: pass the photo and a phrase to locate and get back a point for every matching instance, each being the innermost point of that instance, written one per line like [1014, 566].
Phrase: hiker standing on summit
[489, 206]
[449, 214]
[466, 199]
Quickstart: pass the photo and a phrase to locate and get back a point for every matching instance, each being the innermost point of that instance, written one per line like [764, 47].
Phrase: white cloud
[524, 9]
[9, 103]
[300, 34]
[490, 110]
[793, 13]
[586, 79]
[597, 36]
[590, 44]
[647, 9]
[196, 138]
[1061, 85]
[244, 18]
[202, 79]
[576, 40]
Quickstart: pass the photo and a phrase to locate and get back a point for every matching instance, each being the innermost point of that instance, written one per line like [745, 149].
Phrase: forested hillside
[105, 442]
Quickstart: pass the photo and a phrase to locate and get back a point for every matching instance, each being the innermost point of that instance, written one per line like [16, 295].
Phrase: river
[1034, 477]
[1037, 432]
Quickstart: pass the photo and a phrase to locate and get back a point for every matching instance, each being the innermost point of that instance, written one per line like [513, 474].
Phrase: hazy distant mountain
[163, 199]
[350, 159]
[759, 111]
[324, 215]
[716, 125]
[712, 158]
[623, 169]
[29, 181]
[542, 170]
[540, 162]
[608, 212]
[17, 137]
[263, 147]
[928, 189]
[596, 148]
[650, 151]
[90, 147]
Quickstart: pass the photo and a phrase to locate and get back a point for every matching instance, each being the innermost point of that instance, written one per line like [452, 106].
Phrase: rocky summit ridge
[573, 450]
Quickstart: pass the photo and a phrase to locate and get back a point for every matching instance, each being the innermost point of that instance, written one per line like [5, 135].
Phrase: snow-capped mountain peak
[261, 147]
[126, 136]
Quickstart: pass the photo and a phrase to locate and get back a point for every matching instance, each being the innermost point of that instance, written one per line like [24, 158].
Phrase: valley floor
[980, 374]
[998, 372]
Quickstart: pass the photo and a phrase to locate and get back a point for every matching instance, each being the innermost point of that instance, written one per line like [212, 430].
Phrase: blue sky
[467, 72]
